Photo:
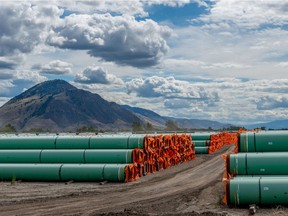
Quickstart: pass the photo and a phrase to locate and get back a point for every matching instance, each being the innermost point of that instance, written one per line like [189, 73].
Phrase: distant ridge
[278, 124]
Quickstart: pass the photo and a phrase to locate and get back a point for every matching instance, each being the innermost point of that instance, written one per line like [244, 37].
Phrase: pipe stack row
[121, 158]
[257, 173]
[208, 143]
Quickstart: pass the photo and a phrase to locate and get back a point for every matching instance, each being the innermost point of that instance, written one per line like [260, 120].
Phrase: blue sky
[223, 60]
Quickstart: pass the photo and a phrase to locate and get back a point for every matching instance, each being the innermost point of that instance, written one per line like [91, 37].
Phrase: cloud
[55, 67]
[168, 88]
[6, 63]
[3, 100]
[24, 26]
[248, 14]
[269, 102]
[174, 3]
[119, 39]
[176, 103]
[6, 75]
[97, 75]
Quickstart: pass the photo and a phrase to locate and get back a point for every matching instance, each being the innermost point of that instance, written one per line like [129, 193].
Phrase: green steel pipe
[73, 142]
[266, 163]
[63, 172]
[201, 136]
[270, 141]
[27, 142]
[201, 143]
[108, 156]
[20, 156]
[30, 172]
[202, 150]
[93, 172]
[67, 156]
[117, 142]
[62, 156]
[272, 190]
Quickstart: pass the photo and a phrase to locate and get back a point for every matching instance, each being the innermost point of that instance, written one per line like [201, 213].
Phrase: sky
[223, 60]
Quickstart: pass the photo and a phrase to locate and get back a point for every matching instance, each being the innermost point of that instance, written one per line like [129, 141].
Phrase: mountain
[198, 123]
[57, 105]
[278, 124]
[147, 116]
[157, 120]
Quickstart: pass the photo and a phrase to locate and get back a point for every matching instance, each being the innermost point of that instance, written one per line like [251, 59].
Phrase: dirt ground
[192, 188]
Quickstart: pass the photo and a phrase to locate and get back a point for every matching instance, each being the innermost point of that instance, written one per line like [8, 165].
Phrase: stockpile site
[215, 173]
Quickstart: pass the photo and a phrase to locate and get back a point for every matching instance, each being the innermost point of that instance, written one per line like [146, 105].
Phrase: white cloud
[55, 67]
[120, 39]
[248, 14]
[168, 87]
[270, 103]
[97, 75]
[5, 75]
[3, 100]
[24, 26]
[174, 3]
[8, 62]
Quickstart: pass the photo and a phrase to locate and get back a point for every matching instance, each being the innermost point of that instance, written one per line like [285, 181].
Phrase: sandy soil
[192, 188]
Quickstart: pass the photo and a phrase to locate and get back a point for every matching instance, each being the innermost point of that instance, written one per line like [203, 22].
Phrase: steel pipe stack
[208, 143]
[121, 158]
[257, 173]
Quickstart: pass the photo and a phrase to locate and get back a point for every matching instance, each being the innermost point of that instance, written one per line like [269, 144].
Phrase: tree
[86, 129]
[149, 126]
[171, 126]
[136, 126]
[8, 129]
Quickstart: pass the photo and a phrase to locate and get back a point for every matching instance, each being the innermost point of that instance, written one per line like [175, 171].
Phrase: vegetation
[37, 130]
[171, 126]
[136, 126]
[149, 127]
[8, 129]
[233, 128]
[87, 129]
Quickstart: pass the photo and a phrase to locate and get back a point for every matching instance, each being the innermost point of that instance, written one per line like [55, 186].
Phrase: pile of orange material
[217, 141]
[159, 152]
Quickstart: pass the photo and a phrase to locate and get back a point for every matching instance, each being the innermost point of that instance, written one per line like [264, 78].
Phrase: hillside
[56, 105]
[278, 124]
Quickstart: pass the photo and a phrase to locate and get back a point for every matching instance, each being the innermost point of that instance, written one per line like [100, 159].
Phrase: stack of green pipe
[62, 172]
[265, 190]
[270, 141]
[266, 163]
[201, 142]
[261, 174]
[61, 158]
[67, 156]
[73, 142]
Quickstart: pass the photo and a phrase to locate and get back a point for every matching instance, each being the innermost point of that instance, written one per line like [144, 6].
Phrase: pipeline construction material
[73, 142]
[141, 153]
[267, 163]
[201, 143]
[245, 190]
[67, 156]
[266, 141]
[63, 172]
[202, 150]
[27, 142]
[202, 136]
